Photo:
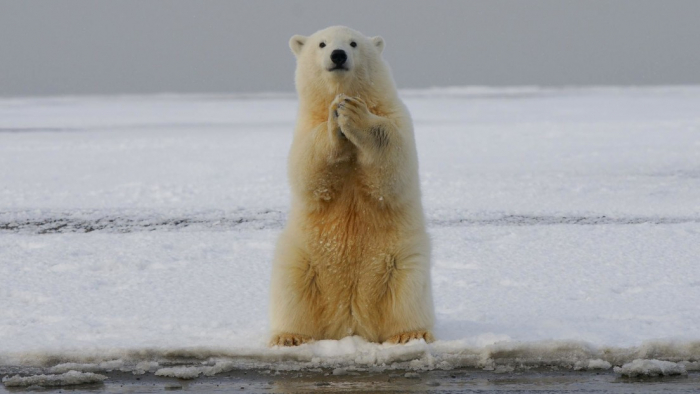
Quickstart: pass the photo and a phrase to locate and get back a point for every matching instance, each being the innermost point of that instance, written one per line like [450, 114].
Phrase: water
[462, 381]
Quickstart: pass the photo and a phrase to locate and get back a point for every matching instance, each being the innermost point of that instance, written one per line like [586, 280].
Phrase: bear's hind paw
[410, 335]
[289, 340]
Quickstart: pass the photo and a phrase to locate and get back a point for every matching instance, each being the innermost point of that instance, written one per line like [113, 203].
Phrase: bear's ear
[296, 43]
[379, 43]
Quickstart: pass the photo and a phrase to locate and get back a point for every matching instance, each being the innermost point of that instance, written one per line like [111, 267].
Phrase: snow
[650, 368]
[136, 233]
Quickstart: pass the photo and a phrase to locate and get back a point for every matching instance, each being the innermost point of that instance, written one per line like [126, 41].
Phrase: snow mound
[588, 365]
[651, 368]
[69, 378]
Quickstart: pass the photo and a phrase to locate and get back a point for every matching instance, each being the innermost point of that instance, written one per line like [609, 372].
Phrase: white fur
[354, 258]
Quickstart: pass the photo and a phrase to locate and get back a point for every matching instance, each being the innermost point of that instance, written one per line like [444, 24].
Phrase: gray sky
[136, 46]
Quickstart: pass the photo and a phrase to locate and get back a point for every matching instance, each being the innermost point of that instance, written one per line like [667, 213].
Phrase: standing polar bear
[354, 258]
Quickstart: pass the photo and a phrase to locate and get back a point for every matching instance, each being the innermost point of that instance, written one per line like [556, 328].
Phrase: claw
[408, 336]
[289, 340]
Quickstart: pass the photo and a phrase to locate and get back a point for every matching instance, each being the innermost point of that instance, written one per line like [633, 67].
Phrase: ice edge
[354, 353]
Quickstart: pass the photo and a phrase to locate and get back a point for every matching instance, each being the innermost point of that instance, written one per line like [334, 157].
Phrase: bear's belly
[352, 253]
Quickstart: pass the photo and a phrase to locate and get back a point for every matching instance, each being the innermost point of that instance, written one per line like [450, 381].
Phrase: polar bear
[354, 257]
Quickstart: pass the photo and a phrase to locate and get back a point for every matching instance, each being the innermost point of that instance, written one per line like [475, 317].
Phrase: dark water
[456, 381]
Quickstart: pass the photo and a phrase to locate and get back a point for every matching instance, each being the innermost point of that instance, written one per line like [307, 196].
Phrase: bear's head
[339, 60]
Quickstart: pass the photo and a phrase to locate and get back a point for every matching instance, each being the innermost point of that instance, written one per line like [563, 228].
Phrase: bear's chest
[348, 186]
[351, 227]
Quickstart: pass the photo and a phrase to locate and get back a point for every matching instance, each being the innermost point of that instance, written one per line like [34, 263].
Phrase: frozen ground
[136, 232]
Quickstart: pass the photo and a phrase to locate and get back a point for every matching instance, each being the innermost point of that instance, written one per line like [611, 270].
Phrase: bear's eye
[322, 45]
[353, 44]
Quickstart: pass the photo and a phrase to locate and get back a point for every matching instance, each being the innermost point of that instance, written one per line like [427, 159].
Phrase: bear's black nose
[339, 57]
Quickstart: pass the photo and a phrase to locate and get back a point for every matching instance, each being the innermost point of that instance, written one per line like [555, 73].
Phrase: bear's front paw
[289, 340]
[333, 109]
[333, 127]
[408, 336]
[352, 113]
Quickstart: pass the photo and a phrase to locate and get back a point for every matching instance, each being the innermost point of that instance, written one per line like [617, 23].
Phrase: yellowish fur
[354, 256]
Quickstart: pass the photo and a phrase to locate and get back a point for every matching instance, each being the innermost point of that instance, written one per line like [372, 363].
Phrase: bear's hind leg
[295, 306]
[406, 304]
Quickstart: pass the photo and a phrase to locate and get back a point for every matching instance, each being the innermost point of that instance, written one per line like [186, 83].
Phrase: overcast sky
[136, 46]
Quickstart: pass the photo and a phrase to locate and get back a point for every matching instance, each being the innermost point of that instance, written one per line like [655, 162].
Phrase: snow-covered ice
[69, 378]
[136, 233]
